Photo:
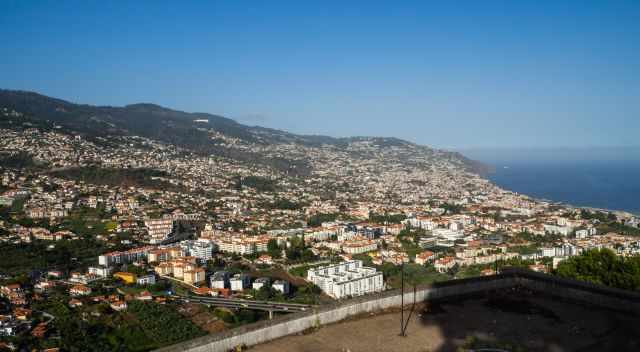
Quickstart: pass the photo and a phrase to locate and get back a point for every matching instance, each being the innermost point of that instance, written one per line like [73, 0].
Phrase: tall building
[159, 230]
[201, 249]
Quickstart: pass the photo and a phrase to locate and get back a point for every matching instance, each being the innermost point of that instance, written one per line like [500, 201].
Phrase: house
[443, 265]
[204, 291]
[541, 268]
[101, 271]
[194, 276]
[239, 282]
[22, 313]
[282, 286]
[39, 331]
[219, 280]
[487, 272]
[118, 305]
[74, 303]
[57, 274]
[264, 259]
[8, 325]
[146, 280]
[144, 296]
[80, 290]
[260, 282]
[424, 257]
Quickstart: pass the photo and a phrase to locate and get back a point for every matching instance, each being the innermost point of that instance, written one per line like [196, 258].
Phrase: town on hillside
[143, 244]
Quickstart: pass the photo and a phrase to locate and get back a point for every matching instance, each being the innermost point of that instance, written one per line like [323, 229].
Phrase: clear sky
[461, 74]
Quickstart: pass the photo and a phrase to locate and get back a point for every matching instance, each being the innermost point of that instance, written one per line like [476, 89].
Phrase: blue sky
[453, 74]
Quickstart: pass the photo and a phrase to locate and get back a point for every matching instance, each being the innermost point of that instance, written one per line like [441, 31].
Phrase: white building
[548, 252]
[558, 229]
[242, 245]
[346, 279]
[444, 264]
[201, 249]
[239, 282]
[102, 271]
[159, 230]
[219, 280]
[359, 246]
[260, 282]
[448, 234]
[146, 280]
[282, 286]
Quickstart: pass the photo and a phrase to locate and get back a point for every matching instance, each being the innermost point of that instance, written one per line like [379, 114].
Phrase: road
[247, 304]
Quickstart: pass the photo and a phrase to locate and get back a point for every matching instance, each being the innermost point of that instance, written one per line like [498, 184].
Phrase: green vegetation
[20, 160]
[66, 254]
[317, 219]
[470, 271]
[409, 241]
[162, 324]
[282, 204]
[301, 270]
[268, 293]
[530, 249]
[273, 249]
[451, 209]
[414, 274]
[386, 218]
[597, 215]
[538, 239]
[141, 177]
[603, 267]
[239, 317]
[260, 184]
[306, 294]
[298, 252]
[96, 327]
[618, 228]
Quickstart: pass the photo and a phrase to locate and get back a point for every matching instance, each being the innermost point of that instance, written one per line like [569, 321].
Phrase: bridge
[247, 304]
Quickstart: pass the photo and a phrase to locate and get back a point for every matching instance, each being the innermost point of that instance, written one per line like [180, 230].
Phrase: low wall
[581, 292]
[267, 330]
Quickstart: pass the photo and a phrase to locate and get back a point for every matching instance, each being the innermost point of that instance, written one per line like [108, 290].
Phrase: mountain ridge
[186, 129]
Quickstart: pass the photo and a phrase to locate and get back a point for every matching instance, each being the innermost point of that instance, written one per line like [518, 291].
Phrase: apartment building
[346, 279]
[159, 230]
[125, 257]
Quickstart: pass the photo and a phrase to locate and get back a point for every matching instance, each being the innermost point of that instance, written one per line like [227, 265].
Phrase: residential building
[346, 279]
[283, 286]
[239, 282]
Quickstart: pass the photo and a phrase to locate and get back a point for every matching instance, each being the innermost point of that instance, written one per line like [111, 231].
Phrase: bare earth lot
[520, 320]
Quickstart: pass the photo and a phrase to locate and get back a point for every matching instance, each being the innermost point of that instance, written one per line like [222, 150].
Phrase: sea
[606, 178]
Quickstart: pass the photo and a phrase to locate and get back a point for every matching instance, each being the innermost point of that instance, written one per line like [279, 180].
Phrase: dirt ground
[513, 320]
[202, 317]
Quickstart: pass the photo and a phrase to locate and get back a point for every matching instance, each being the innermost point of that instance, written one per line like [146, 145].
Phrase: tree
[603, 267]
[267, 293]
[272, 245]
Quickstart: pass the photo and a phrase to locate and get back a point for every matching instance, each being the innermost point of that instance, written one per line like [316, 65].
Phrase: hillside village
[97, 227]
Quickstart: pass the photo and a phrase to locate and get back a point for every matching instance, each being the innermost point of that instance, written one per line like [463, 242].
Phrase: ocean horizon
[607, 179]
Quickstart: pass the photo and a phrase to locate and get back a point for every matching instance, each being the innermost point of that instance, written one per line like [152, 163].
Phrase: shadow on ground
[520, 320]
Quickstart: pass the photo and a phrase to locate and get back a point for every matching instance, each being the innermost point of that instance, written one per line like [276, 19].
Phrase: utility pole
[402, 300]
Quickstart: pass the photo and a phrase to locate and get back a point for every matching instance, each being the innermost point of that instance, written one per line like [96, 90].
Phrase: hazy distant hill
[188, 130]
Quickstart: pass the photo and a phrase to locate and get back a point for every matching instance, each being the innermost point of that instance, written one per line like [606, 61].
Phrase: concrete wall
[581, 292]
[264, 331]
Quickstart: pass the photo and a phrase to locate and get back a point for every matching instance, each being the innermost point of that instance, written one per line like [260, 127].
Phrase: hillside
[202, 133]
